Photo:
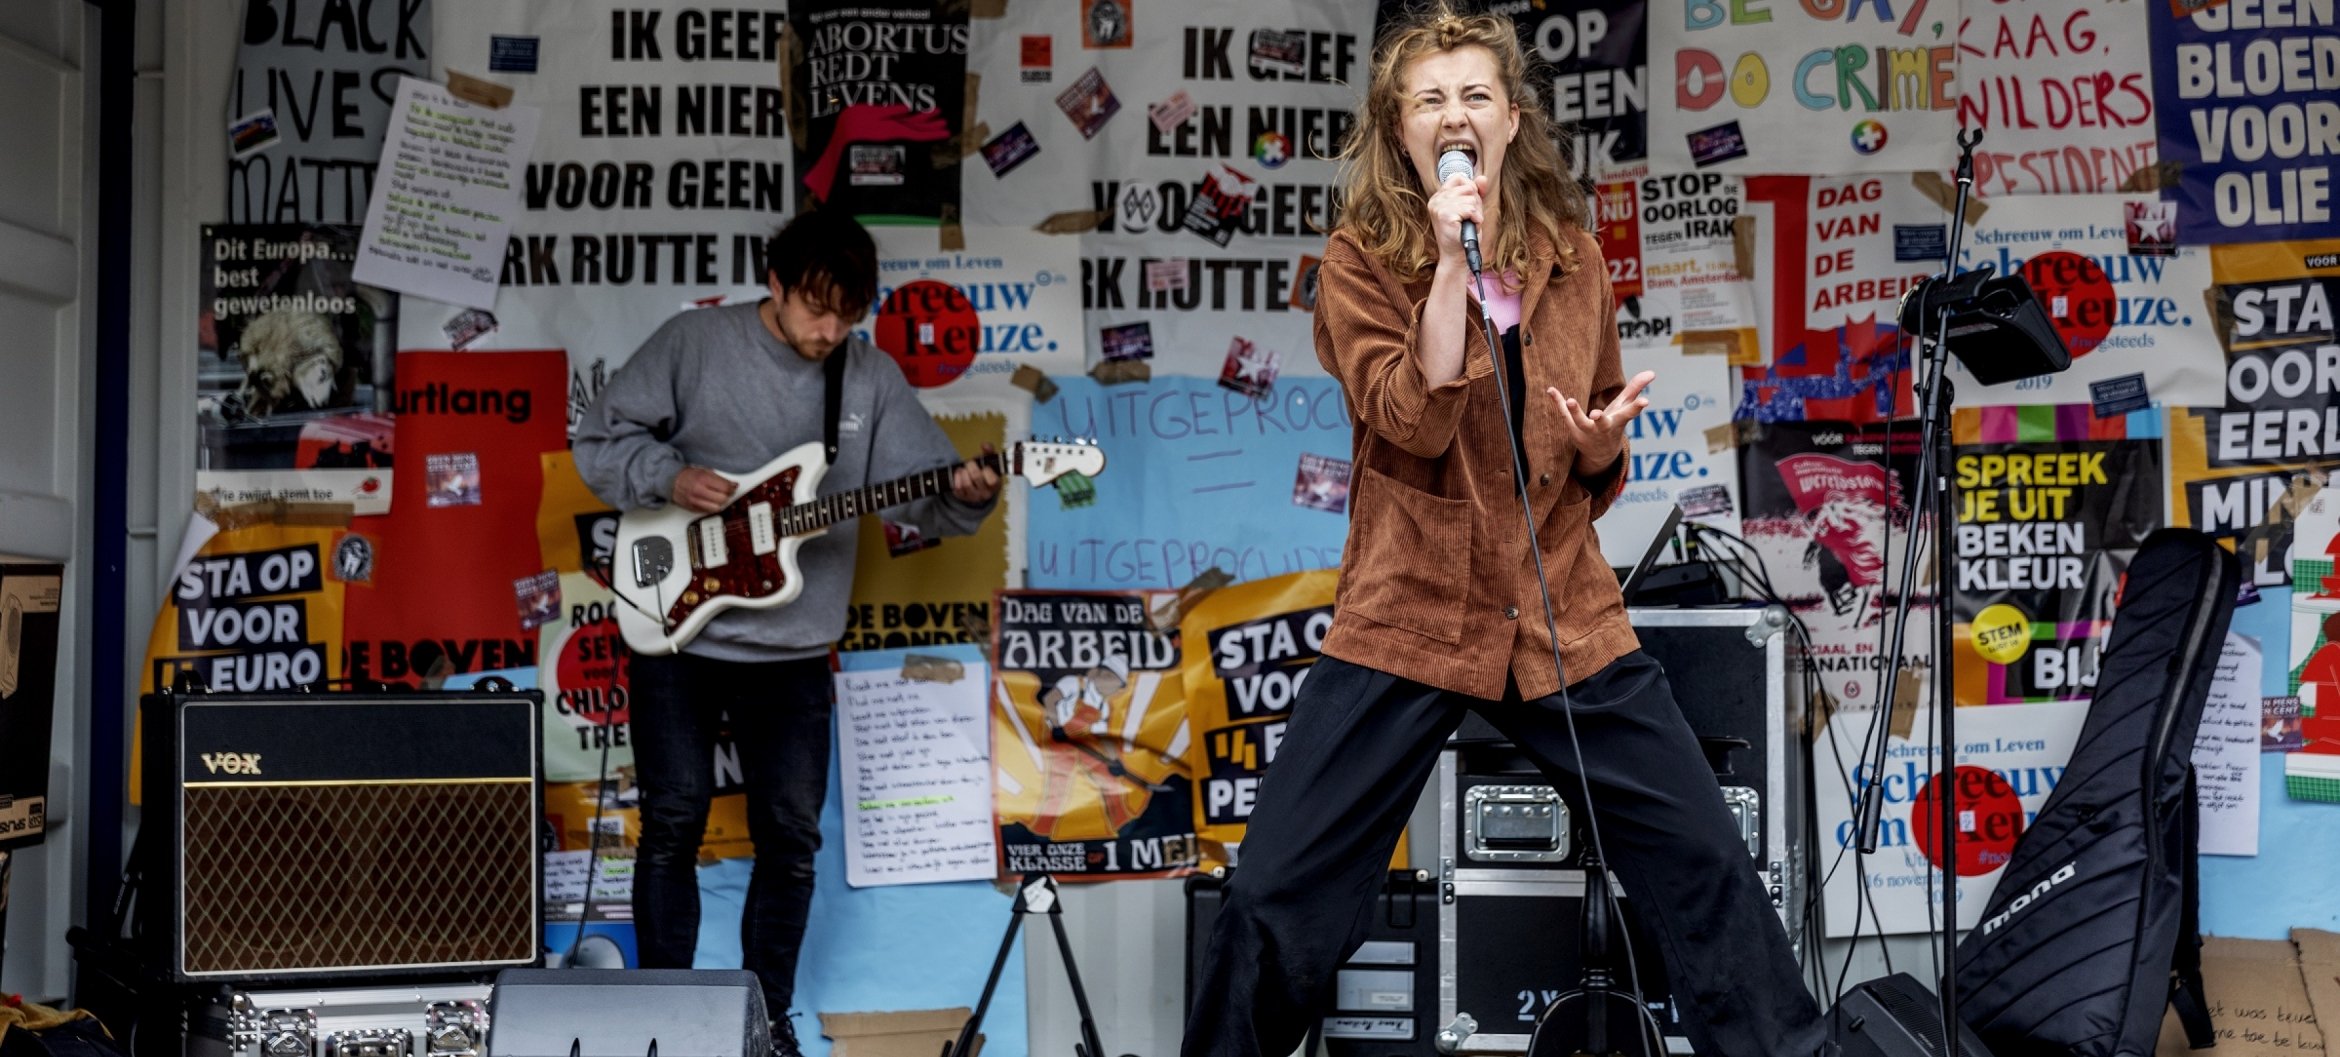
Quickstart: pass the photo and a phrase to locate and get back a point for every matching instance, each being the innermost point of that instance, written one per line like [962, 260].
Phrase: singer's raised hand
[1460, 198]
[1600, 433]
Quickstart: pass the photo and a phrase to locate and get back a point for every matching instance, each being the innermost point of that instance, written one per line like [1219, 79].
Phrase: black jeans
[779, 719]
[1360, 745]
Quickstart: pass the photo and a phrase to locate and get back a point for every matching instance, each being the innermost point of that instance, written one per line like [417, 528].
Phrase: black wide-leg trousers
[1360, 745]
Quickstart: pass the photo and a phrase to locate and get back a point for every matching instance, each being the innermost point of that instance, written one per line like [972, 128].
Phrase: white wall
[48, 265]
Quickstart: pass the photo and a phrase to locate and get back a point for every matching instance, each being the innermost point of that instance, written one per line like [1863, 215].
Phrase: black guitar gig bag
[2093, 930]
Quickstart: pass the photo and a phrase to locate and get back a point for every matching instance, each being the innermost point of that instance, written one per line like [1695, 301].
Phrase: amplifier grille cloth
[324, 876]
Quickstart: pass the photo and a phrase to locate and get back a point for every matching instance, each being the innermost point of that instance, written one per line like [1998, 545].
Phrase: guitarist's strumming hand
[701, 490]
[974, 483]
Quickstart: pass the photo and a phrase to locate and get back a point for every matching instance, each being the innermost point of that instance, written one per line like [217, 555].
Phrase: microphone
[1451, 164]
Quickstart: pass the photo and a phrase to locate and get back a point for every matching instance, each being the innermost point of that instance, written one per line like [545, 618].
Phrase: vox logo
[231, 762]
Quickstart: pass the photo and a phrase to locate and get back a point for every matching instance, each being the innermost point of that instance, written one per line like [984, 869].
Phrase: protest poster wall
[1674, 463]
[2244, 95]
[1827, 518]
[459, 582]
[911, 590]
[960, 322]
[1196, 478]
[1842, 253]
[1814, 87]
[2314, 646]
[1674, 264]
[877, 96]
[661, 165]
[310, 97]
[1188, 150]
[291, 365]
[1598, 57]
[2244, 469]
[1254, 645]
[2009, 759]
[1089, 738]
[1685, 312]
[583, 661]
[257, 603]
[2062, 91]
[2127, 306]
[2050, 504]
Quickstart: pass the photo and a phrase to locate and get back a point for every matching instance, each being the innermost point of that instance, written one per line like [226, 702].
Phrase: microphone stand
[1934, 498]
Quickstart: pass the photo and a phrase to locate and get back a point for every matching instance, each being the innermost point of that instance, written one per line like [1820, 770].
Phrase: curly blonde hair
[1387, 207]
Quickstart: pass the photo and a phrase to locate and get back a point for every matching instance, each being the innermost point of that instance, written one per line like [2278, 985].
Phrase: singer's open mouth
[1466, 148]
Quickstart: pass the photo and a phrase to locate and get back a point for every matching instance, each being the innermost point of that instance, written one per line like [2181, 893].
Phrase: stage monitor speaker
[627, 1013]
[308, 836]
[1895, 1016]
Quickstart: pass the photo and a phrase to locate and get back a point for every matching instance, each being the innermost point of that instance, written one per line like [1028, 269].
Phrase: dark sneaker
[784, 1037]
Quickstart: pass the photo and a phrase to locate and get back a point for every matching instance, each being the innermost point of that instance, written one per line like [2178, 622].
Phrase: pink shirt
[1502, 301]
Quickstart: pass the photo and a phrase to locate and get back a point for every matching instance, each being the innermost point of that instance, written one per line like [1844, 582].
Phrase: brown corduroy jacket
[1437, 585]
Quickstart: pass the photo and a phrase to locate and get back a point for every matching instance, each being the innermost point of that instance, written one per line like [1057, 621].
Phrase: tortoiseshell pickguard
[746, 574]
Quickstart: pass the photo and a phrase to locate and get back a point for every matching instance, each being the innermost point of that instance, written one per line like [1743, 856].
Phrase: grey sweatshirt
[714, 388]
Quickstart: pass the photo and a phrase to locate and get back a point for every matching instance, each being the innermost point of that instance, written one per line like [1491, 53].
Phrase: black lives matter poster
[309, 101]
[878, 101]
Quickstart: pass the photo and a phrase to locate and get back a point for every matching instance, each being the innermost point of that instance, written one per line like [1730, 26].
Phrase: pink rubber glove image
[863, 123]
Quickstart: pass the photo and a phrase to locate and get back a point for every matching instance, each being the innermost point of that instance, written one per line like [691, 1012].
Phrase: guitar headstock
[1042, 462]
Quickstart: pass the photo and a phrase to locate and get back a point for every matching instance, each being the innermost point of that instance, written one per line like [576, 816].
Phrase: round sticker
[590, 672]
[1989, 819]
[930, 328]
[2078, 297]
[2001, 634]
[1868, 137]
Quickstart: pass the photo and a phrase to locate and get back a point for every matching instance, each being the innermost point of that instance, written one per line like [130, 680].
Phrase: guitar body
[673, 570]
[689, 567]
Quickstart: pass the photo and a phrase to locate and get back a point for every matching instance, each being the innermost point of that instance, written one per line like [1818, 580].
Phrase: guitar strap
[834, 368]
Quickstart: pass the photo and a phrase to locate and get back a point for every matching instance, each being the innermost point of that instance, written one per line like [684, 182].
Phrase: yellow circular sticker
[2001, 633]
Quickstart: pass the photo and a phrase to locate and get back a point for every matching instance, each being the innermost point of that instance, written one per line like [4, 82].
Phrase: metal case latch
[1515, 823]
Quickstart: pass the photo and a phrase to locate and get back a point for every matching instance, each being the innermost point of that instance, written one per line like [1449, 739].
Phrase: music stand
[1649, 555]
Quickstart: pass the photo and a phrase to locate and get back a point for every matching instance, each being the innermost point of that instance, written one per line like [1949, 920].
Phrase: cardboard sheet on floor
[2258, 1002]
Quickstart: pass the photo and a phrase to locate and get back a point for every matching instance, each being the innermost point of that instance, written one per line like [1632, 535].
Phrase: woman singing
[1439, 608]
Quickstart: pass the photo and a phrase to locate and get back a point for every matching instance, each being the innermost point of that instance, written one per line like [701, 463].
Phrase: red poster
[459, 543]
[1619, 232]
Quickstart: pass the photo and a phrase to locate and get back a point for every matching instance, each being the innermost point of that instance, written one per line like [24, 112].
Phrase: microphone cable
[1552, 630]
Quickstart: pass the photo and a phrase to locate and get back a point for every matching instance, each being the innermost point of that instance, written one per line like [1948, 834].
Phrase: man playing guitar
[727, 389]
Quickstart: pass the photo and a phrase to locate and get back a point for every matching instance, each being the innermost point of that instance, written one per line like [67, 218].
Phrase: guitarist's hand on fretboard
[701, 490]
[975, 482]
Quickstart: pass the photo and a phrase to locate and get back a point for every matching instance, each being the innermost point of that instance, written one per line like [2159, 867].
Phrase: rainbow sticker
[1868, 137]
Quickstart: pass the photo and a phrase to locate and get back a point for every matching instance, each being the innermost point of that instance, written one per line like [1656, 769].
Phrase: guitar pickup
[761, 537]
[711, 550]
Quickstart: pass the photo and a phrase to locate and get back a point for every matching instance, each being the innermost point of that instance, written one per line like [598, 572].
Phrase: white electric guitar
[674, 570]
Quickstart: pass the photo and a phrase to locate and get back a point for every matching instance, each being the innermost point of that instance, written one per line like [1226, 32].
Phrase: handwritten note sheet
[445, 197]
[2226, 753]
[915, 767]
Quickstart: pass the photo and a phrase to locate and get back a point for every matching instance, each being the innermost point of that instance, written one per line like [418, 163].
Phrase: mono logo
[2063, 873]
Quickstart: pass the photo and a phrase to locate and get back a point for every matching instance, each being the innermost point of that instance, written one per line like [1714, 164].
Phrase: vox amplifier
[300, 835]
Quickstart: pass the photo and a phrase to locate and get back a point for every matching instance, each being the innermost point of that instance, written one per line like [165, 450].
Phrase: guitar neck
[845, 506]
